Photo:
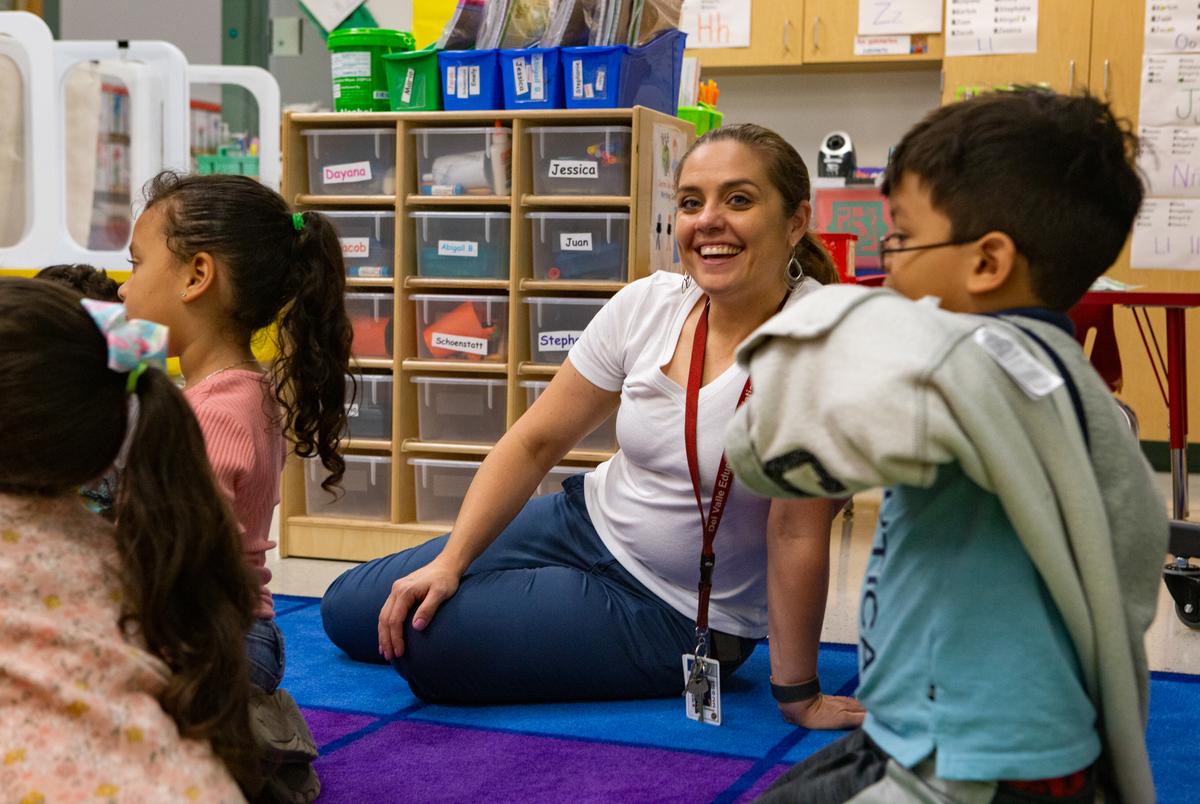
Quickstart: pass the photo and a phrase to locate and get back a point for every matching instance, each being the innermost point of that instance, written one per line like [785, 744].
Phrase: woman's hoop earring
[795, 271]
[687, 283]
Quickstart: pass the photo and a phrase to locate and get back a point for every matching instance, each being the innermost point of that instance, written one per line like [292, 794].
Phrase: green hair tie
[132, 381]
[298, 221]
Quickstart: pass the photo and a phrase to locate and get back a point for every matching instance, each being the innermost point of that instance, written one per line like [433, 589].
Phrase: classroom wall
[194, 26]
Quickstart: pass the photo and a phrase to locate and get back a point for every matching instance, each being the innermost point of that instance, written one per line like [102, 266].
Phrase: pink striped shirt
[241, 424]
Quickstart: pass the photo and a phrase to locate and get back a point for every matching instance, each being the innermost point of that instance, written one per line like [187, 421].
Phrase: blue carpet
[364, 716]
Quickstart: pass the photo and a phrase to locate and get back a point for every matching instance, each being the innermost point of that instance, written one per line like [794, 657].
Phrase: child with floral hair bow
[122, 667]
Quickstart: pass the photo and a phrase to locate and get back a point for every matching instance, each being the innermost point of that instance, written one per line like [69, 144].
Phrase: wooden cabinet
[831, 27]
[302, 534]
[1061, 61]
[774, 40]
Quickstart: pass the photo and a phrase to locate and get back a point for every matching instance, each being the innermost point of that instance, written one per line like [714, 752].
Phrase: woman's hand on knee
[824, 712]
[429, 586]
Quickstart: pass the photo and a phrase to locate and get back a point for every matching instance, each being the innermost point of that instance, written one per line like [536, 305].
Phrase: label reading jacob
[355, 248]
[558, 340]
[349, 173]
[459, 343]
[573, 169]
[575, 241]
[458, 248]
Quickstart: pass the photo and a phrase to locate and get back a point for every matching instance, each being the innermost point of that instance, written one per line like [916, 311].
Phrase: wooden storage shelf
[617, 201]
[450, 282]
[416, 200]
[372, 362]
[354, 539]
[371, 444]
[570, 286]
[346, 200]
[469, 367]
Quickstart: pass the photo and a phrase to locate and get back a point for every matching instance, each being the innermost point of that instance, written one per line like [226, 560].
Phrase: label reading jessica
[520, 76]
[458, 248]
[573, 169]
[459, 343]
[558, 341]
[355, 248]
[575, 241]
[347, 173]
[350, 65]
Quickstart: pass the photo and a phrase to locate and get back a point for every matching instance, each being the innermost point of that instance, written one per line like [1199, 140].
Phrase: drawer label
[351, 410]
[575, 241]
[573, 169]
[371, 271]
[558, 340]
[459, 343]
[356, 248]
[347, 173]
[458, 248]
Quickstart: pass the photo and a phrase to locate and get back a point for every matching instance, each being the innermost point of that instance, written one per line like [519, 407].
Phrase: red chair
[1106, 354]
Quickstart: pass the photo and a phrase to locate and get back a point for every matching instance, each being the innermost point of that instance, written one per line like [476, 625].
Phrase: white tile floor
[1170, 644]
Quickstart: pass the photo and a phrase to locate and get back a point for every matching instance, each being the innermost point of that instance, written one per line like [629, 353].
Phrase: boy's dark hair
[789, 175]
[91, 282]
[185, 588]
[283, 270]
[1053, 172]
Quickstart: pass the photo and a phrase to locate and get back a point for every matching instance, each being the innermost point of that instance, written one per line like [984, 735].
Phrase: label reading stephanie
[458, 248]
[347, 173]
[520, 76]
[355, 248]
[558, 340]
[576, 78]
[575, 241]
[451, 73]
[350, 65]
[459, 343]
[406, 93]
[573, 169]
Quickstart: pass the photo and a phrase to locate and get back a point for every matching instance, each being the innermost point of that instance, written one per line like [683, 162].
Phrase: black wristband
[790, 693]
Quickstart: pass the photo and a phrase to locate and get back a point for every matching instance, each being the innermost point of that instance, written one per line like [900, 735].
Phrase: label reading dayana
[347, 173]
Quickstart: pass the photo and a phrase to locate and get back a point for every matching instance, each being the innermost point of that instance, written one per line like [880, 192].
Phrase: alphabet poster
[716, 23]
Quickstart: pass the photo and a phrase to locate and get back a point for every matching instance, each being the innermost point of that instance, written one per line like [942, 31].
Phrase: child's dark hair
[283, 270]
[186, 589]
[789, 175]
[1053, 172]
[91, 282]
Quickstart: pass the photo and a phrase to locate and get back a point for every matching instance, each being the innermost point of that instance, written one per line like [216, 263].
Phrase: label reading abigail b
[458, 248]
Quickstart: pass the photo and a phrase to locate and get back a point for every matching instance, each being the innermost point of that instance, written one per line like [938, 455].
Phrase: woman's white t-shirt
[641, 500]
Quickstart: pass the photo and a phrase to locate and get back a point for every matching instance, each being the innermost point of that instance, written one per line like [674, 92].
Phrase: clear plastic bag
[568, 24]
[526, 23]
[461, 31]
[651, 18]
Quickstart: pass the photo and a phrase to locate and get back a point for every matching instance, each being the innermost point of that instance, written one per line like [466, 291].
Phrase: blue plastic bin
[470, 80]
[620, 77]
[532, 78]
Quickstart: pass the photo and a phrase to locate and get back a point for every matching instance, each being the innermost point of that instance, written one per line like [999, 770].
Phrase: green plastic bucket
[356, 58]
[414, 80]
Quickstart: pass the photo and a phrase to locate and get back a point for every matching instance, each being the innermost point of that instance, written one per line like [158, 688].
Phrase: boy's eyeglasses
[885, 250]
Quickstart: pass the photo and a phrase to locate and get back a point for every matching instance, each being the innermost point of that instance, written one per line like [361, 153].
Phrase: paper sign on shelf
[716, 23]
[883, 45]
[988, 27]
[1172, 27]
[1170, 158]
[1170, 90]
[879, 17]
[1166, 234]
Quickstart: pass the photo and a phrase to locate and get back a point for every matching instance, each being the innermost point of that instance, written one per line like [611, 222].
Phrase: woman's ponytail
[187, 591]
[314, 347]
[815, 260]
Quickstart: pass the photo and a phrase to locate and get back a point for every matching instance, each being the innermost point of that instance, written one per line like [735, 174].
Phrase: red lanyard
[720, 494]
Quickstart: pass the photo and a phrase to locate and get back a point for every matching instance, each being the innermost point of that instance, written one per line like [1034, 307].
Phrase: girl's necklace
[210, 375]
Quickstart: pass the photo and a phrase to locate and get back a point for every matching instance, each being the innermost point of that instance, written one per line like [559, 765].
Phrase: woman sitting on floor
[590, 593]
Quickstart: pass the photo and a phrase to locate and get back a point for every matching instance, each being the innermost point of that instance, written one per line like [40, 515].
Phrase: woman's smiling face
[731, 227]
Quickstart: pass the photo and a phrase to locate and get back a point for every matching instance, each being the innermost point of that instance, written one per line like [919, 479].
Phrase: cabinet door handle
[1071, 76]
[1106, 79]
[816, 27]
[787, 36]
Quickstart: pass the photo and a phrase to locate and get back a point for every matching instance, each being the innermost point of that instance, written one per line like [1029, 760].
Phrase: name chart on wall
[991, 27]
[1166, 234]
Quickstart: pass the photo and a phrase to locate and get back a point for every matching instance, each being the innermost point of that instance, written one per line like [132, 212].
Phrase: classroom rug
[380, 744]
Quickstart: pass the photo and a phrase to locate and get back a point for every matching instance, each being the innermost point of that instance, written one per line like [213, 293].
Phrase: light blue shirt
[961, 650]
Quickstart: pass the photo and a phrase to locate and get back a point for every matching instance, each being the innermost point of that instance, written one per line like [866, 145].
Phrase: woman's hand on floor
[824, 712]
[430, 586]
